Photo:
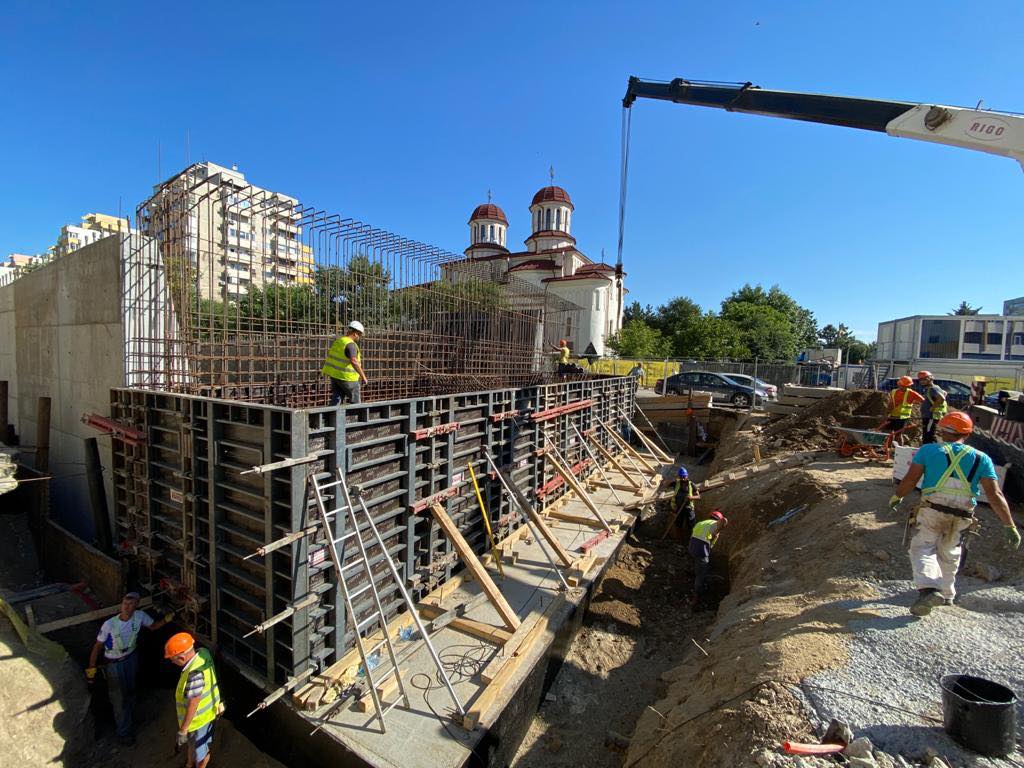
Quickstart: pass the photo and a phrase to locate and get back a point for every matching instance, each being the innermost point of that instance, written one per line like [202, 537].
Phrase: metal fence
[772, 372]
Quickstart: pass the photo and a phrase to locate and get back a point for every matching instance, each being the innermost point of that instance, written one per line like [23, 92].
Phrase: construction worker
[702, 541]
[197, 698]
[564, 353]
[118, 638]
[344, 365]
[933, 407]
[952, 474]
[684, 503]
[901, 405]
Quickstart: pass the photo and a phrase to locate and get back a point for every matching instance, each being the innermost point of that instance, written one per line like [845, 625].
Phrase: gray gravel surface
[897, 658]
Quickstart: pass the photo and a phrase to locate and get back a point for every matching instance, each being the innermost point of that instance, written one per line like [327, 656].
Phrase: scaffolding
[237, 292]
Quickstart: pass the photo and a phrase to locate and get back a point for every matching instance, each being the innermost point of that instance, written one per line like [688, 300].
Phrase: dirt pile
[812, 427]
[816, 565]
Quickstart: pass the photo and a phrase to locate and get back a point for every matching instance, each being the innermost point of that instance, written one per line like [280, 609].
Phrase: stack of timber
[672, 409]
[795, 397]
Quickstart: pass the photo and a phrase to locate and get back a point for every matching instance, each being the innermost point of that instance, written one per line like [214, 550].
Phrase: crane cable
[627, 121]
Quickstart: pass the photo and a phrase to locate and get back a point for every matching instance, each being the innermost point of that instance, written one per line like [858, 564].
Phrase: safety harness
[952, 492]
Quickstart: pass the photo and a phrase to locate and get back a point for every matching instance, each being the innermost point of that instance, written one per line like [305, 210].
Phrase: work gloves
[1012, 537]
[90, 675]
[180, 740]
[169, 617]
[894, 502]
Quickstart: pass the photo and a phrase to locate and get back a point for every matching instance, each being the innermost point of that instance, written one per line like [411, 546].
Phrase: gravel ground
[898, 659]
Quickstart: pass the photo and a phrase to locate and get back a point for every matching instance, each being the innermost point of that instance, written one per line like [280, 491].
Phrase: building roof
[551, 233]
[552, 195]
[502, 251]
[577, 276]
[534, 264]
[597, 267]
[488, 211]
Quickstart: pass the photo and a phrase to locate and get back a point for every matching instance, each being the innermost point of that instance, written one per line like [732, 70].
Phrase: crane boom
[997, 133]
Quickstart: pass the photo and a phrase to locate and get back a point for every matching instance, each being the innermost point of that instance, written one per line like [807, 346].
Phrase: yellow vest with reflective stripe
[705, 531]
[953, 489]
[210, 705]
[902, 410]
[337, 366]
[940, 410]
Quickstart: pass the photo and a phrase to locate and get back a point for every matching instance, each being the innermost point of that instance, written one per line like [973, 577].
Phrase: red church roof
[552, 195]
[488, 211]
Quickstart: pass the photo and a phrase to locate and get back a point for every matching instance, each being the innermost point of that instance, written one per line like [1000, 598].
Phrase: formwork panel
[192, 514]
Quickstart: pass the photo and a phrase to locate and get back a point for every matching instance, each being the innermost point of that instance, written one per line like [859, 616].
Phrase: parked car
[748, 381]
[992, 398]
[958, 394]
[722, 388]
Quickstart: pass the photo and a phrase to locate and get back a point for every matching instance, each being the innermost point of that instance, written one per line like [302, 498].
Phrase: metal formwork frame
[190, 511]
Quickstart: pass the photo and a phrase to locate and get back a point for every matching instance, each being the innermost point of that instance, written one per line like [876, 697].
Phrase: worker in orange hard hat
[953, 474]
[197, 698]
[933, 407]
[901, 405]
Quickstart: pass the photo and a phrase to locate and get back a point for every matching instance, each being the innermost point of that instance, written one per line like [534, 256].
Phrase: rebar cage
[234, 291]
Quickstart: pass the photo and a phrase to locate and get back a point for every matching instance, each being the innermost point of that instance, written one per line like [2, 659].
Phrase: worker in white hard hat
[344, 365]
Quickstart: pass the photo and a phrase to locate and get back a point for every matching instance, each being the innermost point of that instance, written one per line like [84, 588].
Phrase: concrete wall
[63, 338]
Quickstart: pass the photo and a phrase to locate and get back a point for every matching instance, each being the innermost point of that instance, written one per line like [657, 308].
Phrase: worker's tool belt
[964, 513]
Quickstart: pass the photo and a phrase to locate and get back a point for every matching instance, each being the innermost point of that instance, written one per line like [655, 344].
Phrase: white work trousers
[935, 550]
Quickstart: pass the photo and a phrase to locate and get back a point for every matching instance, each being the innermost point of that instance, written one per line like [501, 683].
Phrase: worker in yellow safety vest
[901, 405]
[952, 475]
[933, 407]
[344, 365]
[702, 541]
[197, 698]
[564, 353]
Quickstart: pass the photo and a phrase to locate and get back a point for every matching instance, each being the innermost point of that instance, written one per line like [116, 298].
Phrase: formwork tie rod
[284, 541]
[289, 685]
[304, 602]
[284, 463]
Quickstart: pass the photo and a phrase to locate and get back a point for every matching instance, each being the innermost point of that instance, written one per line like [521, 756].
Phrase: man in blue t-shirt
[953, 475]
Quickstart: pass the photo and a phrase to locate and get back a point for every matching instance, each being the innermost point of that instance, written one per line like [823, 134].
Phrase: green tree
[965, 309]
[857, 351]
[634, 311]
[765, 331]
[803, 326]
[637, 339]
[835, 338]
[674, 315]
[707, 337]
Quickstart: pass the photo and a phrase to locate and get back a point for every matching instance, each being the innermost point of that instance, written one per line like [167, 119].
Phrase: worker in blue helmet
[684, 500]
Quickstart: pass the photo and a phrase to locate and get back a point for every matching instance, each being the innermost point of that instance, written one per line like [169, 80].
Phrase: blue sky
[404, 115]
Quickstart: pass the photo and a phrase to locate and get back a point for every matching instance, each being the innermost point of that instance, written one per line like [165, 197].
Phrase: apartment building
[237, 235]
[94, 226]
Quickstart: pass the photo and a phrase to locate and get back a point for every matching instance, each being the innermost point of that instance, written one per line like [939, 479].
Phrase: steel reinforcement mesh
[234, 291]
[190, 513]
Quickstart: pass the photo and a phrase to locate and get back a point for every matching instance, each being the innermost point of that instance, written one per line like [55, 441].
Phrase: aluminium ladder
[359, 527]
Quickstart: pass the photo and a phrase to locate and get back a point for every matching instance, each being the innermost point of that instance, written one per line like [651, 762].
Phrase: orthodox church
[552, 262]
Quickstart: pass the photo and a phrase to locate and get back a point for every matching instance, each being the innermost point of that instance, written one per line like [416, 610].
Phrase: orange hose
[796, 748]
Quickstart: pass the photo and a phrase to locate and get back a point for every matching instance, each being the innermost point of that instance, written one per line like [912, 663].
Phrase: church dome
[488, 211]
[552, 195]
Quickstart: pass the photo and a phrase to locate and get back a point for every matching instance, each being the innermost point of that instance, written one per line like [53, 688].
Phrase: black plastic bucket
[979, 714]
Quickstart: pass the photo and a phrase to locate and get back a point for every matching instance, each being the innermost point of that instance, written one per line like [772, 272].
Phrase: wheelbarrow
[865, 442]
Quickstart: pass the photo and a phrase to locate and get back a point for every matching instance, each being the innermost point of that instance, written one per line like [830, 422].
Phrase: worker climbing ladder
[358, 526]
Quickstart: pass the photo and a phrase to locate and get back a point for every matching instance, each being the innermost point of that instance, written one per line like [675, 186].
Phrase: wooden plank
[568, 517]
[571, 481]
[82, 618]
[618, 467]
[480, 573]
[517, 646]
[655, 450]
[480, 629]
[629, 449]
[579, 571]
[388, 687]
[538, 522]
[597, 485]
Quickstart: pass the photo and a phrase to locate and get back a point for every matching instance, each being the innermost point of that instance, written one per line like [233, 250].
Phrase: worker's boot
[926, 600]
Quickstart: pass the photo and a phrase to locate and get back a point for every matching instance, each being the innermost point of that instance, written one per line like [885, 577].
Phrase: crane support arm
[997, 133]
